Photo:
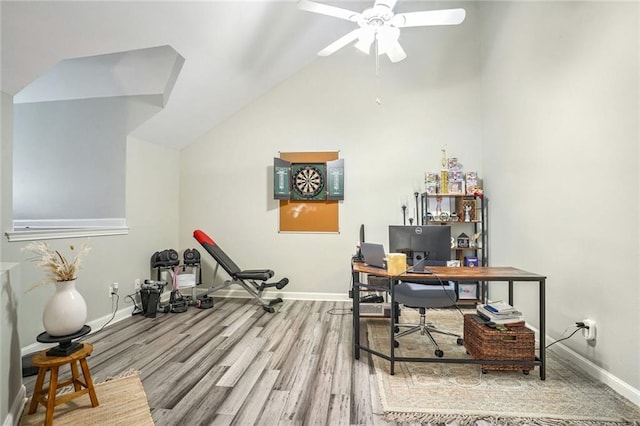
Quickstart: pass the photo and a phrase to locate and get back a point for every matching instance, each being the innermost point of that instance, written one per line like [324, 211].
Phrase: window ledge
[52, 234]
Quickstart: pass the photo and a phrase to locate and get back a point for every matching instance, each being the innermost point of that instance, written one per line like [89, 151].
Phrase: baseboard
[17, 406]
[594, 371]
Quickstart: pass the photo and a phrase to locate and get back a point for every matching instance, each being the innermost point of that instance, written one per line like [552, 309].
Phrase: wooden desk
[488, 274]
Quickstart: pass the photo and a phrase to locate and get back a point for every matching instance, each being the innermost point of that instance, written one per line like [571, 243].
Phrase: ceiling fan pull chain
[375, 42]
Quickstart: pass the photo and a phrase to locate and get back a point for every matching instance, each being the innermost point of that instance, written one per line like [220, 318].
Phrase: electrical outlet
[589, 331]
[136, 284]
[113, 289]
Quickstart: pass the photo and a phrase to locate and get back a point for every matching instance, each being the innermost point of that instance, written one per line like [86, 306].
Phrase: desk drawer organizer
[483, 342]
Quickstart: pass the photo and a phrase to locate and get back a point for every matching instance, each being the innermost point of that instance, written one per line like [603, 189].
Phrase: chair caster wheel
[269, 309]
[439, 353]
[396, 344]
[460, 341]
[525, 372]
[484, 371]
[396, 329]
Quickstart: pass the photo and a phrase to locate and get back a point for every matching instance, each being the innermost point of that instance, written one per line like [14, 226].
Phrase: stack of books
[500, 313]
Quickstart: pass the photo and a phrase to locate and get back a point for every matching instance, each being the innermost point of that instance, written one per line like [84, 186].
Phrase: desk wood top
[455, 273]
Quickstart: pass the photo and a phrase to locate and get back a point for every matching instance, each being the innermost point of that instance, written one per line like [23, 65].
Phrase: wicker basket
[482, 342]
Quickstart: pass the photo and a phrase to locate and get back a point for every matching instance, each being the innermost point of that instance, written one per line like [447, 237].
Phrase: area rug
[122, 402]
[460, 394]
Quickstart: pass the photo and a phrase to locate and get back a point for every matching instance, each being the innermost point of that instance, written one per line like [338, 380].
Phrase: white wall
[90, 134]
[6, 154]
[12, 392]
[152, 216]
[429, 101]
[560, 92]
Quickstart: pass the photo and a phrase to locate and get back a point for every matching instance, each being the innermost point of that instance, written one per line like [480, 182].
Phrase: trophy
[444, 174]
[467, 216]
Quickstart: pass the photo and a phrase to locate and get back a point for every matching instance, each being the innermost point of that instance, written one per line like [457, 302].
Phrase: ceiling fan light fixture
[379, 24]
[365, 40]
[387, 37]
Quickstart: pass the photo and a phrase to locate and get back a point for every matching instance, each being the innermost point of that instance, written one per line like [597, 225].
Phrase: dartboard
[308, 181]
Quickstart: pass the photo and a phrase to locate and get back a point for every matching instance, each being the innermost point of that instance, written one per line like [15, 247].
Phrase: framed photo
[456, 187]
[467, 208]
[467, 291]
[463, 241]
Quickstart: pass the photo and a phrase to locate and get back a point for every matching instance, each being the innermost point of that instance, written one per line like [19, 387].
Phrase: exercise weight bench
[252, 280]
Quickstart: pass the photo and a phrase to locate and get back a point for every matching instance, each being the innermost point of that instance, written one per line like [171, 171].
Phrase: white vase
[66, 311]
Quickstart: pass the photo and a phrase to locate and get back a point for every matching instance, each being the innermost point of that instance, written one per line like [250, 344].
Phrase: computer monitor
[429, 244]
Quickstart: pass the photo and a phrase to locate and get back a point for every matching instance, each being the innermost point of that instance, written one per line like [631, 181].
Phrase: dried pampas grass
[56, 266]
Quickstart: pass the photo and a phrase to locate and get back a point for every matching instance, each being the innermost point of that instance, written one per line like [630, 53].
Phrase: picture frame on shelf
[467, 291]
[471, 180]
[467, 204]
[472, 189]
[463, 241]
[456, 187]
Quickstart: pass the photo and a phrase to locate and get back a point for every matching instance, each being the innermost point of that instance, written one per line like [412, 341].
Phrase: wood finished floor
[236, 364]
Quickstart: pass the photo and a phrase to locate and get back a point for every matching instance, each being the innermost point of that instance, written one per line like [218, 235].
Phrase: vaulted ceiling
[234, 51]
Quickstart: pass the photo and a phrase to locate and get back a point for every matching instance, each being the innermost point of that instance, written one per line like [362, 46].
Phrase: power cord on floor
[136, 309]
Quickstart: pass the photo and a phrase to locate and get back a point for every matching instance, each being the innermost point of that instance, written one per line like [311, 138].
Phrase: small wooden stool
[47, 396]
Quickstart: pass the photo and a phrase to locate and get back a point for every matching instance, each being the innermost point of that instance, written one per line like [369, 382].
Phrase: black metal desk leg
[511, 292]
[392, 322]
[355, 294]
[543, 331]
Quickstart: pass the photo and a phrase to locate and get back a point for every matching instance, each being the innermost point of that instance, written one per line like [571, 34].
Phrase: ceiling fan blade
[395, 52]
[386, 3]
[324, 9]
[429, 17]
[340, 43]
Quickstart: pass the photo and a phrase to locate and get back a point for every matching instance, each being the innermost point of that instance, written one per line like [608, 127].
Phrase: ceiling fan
[380, 25]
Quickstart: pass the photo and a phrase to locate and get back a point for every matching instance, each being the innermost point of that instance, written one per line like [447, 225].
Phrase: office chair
[247, 279]
[423, 295]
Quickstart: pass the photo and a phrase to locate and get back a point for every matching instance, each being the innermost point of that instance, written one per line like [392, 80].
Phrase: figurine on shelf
[467, 216]
[474, 239]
